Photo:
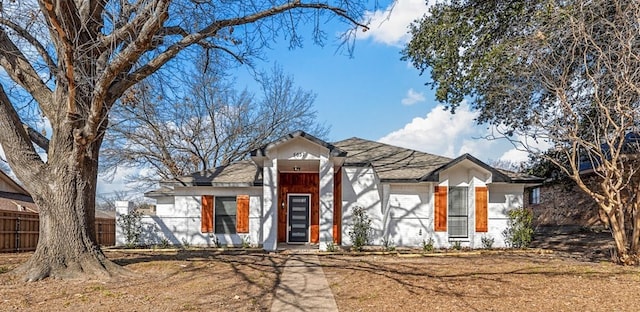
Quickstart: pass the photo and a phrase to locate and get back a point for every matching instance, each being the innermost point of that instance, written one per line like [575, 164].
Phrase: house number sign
[298, 155]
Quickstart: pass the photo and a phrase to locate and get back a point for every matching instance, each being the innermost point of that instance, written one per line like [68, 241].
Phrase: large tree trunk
[67, 245]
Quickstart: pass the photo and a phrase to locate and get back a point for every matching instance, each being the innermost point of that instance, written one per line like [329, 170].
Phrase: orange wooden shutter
[440, 211]
[206, 222]
[242, 214]
[482, 217]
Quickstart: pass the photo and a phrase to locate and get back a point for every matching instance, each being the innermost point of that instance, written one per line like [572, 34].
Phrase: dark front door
[298, 219]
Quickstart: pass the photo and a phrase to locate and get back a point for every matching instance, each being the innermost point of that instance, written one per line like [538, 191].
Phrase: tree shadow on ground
[462, 279]
[226, 280]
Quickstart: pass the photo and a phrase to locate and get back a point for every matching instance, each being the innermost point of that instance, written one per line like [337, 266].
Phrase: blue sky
[374, 95]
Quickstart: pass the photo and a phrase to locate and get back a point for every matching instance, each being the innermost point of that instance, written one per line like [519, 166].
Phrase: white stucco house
[302, 190]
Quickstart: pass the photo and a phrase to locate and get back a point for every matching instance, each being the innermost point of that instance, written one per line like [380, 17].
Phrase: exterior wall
[270, 204]
[164, 206]
[180, 223]
[502, 198]
[326, 202]
[564, 204]
[409, 213]
[361, 187]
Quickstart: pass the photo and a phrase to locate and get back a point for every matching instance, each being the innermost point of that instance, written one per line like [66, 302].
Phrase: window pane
[458, 201]
[458, 226]
[225, 215]
[225, 206]
[225, 224]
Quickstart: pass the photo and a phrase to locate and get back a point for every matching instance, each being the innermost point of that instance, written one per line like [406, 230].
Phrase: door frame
[308, 195]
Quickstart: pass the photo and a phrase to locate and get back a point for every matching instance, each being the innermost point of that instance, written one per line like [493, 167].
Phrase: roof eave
[497, 176]
[417, 180]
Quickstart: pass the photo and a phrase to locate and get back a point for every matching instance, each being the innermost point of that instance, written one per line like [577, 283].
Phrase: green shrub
[185, 243]
[456, 245]
[388, 245]
[360, 234]
[164, 243]
[519, 231]
[332, 247]
[487, 241]
[427, 245]
[131, 227]
[246, 241]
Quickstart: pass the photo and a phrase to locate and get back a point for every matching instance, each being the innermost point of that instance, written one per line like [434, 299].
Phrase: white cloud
[518, 153]
[413, 97]
[439, 133]
[515, 156]
[390, 25]
[120, 182]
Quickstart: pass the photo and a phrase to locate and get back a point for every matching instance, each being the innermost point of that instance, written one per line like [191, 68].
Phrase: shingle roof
[241, 173]
[390, 162]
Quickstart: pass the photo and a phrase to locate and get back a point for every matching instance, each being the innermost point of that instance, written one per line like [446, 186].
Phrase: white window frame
[450, 216]
[534, 196]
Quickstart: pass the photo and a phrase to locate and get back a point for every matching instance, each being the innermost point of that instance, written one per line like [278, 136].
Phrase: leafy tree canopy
[562, 72]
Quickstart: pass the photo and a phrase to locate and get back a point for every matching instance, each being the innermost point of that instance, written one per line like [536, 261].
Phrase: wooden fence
[19, 231]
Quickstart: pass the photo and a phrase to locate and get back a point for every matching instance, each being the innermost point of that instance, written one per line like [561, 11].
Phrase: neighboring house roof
[17, 202]
[391, 163]
[105, 214]
[7, 184]
[630, 145]
[13, 197]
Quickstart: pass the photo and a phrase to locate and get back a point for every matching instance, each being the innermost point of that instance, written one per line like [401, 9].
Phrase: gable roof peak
[333, 150]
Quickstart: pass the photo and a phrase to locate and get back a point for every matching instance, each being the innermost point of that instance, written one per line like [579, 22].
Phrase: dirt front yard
[480, 282]
[184, 280]
[206, 280]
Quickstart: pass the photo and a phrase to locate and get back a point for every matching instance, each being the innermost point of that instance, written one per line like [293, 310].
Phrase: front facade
[302, 190]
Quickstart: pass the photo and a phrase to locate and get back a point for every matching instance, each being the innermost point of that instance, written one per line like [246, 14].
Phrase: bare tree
[71, 60]
[107, 202]
[211, 125]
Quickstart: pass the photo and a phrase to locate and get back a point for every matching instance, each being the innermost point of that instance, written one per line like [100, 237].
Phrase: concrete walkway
[303, 287]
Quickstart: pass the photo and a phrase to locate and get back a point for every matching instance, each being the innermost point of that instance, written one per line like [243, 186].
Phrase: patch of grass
[4, 269]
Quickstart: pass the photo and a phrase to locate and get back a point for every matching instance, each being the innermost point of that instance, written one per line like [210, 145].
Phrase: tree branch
[37, 138]
[210, 31]
[34, 42]
[63, 31]
[118, 65]
[20, 70]
[18, 149]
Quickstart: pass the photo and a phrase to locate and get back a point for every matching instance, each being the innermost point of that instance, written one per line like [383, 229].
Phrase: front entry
[299, 215]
